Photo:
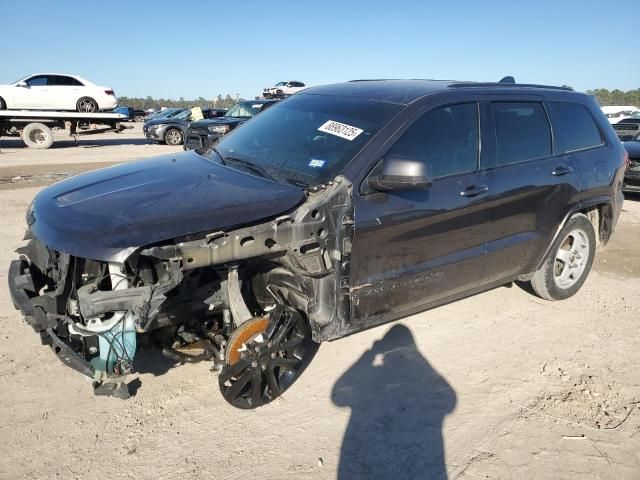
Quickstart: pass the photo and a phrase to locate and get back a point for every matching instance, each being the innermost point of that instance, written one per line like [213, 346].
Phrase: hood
[165, 121]
[107, 214]
[218, 121]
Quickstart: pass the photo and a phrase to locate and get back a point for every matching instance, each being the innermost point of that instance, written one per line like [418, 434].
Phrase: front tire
[3, 104]
[569, 261]
[37, 135]
[173, 137]
[264, 357]
[87, 105]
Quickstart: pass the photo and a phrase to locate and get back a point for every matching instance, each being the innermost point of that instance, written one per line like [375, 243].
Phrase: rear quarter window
[522, 131]
[574, 126]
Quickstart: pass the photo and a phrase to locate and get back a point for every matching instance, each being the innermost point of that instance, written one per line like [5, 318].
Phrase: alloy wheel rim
[87, 106]
[173, 137]
[571, 259]
[265, 364]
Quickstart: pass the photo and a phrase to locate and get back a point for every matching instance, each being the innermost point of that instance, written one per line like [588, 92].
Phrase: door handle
[474, 190]
[562, 170]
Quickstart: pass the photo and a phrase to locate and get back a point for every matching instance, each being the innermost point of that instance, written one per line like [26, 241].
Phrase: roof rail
[506, 84]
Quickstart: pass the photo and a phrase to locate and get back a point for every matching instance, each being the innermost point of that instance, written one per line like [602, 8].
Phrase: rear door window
[522, 131]
[445, 138]
[574, 126]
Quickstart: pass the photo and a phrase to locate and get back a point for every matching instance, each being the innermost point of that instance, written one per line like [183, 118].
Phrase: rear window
[575, 127]
[522, 131]
[62, 81]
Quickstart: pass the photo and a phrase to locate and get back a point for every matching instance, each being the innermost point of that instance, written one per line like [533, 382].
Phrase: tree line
[616, 97]
[603, 96]
[140, 103]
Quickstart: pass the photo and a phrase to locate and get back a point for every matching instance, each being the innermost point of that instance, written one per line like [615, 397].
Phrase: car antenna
[507, 79]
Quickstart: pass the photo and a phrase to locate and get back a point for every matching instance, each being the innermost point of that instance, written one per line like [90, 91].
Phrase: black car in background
[133, 115]
[171, 129]
[631, 181]
[203, 134]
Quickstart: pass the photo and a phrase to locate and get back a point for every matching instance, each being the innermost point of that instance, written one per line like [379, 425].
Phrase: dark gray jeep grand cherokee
[340, 208]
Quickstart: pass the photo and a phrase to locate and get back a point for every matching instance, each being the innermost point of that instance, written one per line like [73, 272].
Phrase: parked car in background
[56, 91]
[283, 89]
[132, 114]
[627, 130]
[204, 133]
[166, 113]
[631, 181]
[615, 113]
[170, 128]
[339, 209]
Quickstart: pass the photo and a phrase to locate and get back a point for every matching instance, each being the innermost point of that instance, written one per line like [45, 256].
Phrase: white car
[283, 89]
[55, 91]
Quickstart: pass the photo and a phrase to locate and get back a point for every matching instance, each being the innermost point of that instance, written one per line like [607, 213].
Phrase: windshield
[168, 113]
[183, 115]
[244, 110]
[280, 84]
[307, 139]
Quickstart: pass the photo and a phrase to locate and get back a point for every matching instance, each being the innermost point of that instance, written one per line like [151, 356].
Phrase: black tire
[558, 279]
[37, 135]
[3, 104]
[139, 118]
[87, 105]
[260, 375]
[174, 137]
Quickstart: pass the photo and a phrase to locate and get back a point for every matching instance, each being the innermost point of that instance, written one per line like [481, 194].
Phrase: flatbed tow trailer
[35, 127]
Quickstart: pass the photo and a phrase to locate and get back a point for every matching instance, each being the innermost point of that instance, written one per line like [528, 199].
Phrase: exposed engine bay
[254, 300]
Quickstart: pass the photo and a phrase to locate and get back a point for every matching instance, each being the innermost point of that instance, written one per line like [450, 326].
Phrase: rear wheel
[264, 356]
[87, 105]
[37, 135]
[566, 268]
[173, 137]
[138, 118]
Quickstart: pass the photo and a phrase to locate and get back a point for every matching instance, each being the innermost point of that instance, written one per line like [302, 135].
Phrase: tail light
[110, 92]
[625, 160]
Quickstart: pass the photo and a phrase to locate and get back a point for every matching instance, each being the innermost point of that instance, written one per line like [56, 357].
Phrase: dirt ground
[502, 385]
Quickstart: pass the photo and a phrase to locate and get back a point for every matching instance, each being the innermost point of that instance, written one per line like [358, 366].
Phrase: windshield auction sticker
[341, 130]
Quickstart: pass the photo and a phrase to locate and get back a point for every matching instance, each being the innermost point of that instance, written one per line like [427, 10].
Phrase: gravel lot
[502, 385]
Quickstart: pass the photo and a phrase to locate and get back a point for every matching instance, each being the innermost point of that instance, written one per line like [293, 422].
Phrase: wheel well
[600, 216]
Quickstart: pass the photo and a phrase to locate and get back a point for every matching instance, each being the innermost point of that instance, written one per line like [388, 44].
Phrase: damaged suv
[338, 209]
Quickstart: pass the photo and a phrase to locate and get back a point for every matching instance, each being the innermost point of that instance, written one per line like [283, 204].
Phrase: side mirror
[22, 84]
[402, 173]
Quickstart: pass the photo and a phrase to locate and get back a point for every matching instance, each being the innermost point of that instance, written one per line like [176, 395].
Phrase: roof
[406, 91]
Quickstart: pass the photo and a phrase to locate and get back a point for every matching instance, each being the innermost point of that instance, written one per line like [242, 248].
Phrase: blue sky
[203, 48]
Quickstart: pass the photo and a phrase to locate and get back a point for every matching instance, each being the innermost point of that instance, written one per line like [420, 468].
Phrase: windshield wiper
[248, 165]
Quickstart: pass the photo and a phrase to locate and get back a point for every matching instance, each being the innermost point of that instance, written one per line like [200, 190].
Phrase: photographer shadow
[398, 404]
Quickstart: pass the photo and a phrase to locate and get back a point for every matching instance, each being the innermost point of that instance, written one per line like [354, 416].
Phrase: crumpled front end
[201, 296]
[88, 311]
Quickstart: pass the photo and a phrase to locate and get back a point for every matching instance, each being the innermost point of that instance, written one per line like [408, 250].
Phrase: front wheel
[264, 356]
[173, 137]
[37, 135]
[566, 268]
[3, 104]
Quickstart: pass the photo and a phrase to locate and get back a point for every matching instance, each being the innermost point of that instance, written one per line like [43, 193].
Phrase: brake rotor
[246, 334]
